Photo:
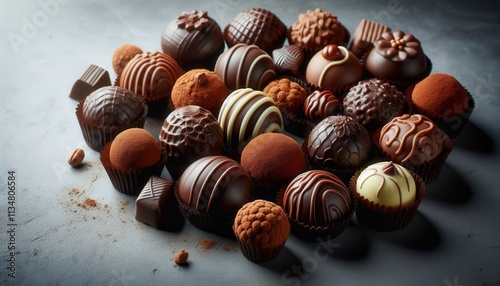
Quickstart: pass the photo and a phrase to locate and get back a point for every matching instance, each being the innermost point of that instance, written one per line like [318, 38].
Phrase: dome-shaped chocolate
[321, 104]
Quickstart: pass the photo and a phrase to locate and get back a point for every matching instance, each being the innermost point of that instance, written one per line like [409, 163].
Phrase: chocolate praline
[289, 60]
[194, 40]
[321, 104]
[256, 26]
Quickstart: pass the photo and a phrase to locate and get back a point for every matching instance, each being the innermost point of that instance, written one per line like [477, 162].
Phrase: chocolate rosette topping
[398, 46]
[194, 20]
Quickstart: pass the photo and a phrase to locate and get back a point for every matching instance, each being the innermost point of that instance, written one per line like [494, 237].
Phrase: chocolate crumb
[181, 257]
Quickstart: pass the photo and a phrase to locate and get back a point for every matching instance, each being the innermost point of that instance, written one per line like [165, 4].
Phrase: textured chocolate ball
[337, 142]
[194, 40]
[112, 106]
[289, 96]
[256, 26]
[374, 102]
[321, 104]
[122, 55]
[332, 67]
[134, 148]
[244, 66]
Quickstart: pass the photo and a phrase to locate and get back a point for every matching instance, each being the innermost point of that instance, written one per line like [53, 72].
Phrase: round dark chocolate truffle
[332, 67]
[288, 60]
[256, 26]
[244, 66]
[374, 102]
[321, 104]
[111, 106]
[316, 198]
[396, 55]
[337, 142]
[194, 40]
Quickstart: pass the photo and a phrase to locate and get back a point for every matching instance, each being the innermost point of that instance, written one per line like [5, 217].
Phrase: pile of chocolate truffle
[375, 126]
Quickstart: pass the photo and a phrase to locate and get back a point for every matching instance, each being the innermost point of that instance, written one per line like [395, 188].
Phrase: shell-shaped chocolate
[337, 142]
[150, 75]
[316, 198]
[244, 66]
[194, 40]
[374, 102]
[111, 106]
[191, 132]
[214, 184]
[256, 26]
[247, 113]
[321, 104]
[289, 59]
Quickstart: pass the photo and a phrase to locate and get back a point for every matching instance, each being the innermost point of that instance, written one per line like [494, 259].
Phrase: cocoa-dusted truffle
[334, 66]
[261, 228]
[134, 148]
[193, 39]
[122, 55]
[288, 60]
[199, 87]
[288, 95]
[272, 157]
[256, 26]
[337, 142]
[244, 66]
[396, 55]
[321, 104]
[374, 102]
[315, 29]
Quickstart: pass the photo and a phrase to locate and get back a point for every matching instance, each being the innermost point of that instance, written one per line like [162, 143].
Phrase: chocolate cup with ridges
[381, 218]
[97, 136]
[312, 233]
[130, 182]
[259, 255]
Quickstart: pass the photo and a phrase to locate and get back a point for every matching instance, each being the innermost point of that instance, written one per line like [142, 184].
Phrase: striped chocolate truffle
[321, 104]
[247, 113]
[244, 66]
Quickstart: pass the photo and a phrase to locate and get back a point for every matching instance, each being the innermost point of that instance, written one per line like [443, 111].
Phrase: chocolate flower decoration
[398, 46]
[193, 20]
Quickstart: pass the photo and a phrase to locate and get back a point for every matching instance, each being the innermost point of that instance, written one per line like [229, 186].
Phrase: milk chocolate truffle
[261, 228]
[189, 133]
[194, 40]
[396, 55]
[94, 78]
[122, 55]
[288, 95]
[256, 26]
[245, 66]
[272, 157]
[134, 148]
[211, 191]
[247, 113]
[337, 142]
[315, 29]
[199, 87]
[366, 34]
[387, 184]
[321, 104]
[374, 102]
[332, 67]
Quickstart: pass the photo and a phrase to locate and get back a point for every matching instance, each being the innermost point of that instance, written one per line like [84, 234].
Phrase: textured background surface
[454, 239]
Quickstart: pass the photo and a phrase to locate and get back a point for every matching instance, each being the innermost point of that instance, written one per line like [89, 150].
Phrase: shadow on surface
[449, 187]
[474, 139]
[285, 261]
[420, 235]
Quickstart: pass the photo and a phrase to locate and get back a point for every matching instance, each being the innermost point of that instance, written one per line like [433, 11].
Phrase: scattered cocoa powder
[207, 244]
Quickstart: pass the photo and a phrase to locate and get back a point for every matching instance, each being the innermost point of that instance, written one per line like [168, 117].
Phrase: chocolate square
[94, 78]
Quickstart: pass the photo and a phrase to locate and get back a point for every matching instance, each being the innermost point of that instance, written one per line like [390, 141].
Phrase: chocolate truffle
[94, 78]
[289, 96]
[315, 29]
[122, 55]
[189, 133]
[272, 157]
[244, 66]
[374, 102]
[333, 67]
[134, 148]
[396, 55]
[199, 87]
[337, 142]
[194, 40]
[156, 205]
[288, 60]
[111, 106]
[366, 34]
[247, 113]
[256, 26]
[387, 184]
[321, 104]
